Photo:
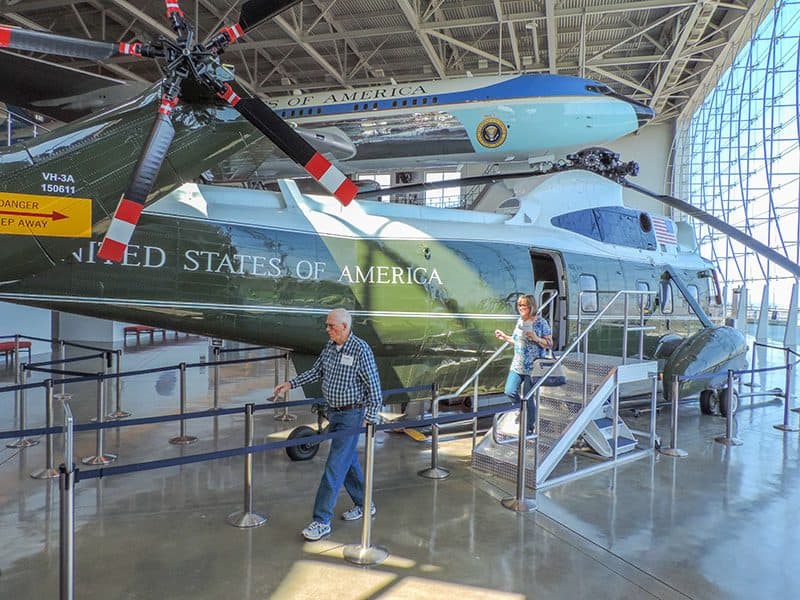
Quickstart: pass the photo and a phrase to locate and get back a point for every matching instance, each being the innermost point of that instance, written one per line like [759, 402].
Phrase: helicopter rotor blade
[15, 38]
[292, 144]
[253, 13]
[134, 199]
[721, 226]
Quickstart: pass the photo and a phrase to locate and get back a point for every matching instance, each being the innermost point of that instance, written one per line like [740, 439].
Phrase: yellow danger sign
[54, 216]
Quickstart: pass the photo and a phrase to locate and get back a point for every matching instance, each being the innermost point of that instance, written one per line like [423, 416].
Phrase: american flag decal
[665, 231]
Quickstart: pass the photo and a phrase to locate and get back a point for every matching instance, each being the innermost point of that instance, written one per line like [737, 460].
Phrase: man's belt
[345, 407]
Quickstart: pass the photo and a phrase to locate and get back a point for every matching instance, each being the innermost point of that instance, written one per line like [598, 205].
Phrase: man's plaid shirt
[349, 376]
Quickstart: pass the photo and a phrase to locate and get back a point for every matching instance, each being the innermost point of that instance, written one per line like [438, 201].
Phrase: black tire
[303, 451]
[728, 397]
[708, 402]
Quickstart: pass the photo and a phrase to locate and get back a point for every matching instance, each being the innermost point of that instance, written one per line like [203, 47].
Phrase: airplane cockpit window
[644, 299]
[589, 301]
[665, 297]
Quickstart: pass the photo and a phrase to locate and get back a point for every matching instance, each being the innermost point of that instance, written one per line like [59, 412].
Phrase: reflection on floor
[720, 523]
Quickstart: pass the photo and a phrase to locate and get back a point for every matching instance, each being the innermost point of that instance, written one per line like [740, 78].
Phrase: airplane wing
[59, 91]
[263, 159]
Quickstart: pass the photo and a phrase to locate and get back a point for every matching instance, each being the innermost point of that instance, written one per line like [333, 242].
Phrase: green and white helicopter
[100, 218]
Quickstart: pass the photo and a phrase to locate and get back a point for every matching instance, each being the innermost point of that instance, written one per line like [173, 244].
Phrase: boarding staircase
[584, 411]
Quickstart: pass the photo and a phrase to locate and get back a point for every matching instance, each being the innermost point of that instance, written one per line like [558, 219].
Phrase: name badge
[347, 360]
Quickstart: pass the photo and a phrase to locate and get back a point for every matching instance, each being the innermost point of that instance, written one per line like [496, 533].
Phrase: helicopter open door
[548, 278]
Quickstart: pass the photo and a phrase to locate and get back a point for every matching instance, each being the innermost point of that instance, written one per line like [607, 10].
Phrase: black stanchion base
[246, 520]
[285, 417]
[524, 505]
[183, 440]
[22, 443]
[728, 441]
[783, 427]
[120, 414]
[674, 452]
[45, 474]
[103, 459]
[434, 473]
[361, 555]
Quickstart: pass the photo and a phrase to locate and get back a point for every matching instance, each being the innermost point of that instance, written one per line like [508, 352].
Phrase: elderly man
[352, 390]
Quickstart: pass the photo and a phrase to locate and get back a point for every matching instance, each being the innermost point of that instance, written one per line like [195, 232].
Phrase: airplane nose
[644, 114]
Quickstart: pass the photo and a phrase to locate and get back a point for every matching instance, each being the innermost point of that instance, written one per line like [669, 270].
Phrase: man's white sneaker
[356, 513]
[316, 531]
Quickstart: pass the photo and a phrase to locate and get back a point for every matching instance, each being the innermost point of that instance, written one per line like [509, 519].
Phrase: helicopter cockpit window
[589, 301]
[665, 297]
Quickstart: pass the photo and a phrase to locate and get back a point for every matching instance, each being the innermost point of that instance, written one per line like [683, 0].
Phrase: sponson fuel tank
[711, 350]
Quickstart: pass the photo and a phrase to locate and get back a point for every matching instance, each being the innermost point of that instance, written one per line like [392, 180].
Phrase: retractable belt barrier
[277, 445]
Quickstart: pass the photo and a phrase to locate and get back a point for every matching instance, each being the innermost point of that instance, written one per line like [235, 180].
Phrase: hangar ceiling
[662, 52]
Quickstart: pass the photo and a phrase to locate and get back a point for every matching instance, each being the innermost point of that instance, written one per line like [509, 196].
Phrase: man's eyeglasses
[330, 325]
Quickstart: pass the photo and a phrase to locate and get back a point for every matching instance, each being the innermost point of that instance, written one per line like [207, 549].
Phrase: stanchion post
[183, 439]
[100, 457]
[365, 553]
[217, 351]
[285, 416]
[520, 503]
[653, 409]
[118, 412]
[22, 375]
[753, 369]
[246, 517]
[475, 412]
[434, 471]
[61, 358]
[787, 395]
[728, 438]
[67, 473]
[49, 471]
[673, 449]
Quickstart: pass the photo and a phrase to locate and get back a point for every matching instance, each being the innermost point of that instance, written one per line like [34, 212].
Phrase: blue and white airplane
[456, 121]
[424, 124]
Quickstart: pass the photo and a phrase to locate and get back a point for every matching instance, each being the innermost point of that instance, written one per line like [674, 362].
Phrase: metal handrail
[489, 360]
[558, 361]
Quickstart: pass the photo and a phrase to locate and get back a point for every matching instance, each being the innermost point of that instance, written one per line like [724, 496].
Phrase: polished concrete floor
[720, 523]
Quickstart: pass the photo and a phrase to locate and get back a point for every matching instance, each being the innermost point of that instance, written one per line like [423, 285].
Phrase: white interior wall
[25, 320]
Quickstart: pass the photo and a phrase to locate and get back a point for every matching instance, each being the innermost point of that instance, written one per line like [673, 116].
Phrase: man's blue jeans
[342, 466]
[513, 382]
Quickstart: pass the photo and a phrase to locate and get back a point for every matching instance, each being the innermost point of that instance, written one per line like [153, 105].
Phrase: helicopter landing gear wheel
[708, 402]
[303, 451]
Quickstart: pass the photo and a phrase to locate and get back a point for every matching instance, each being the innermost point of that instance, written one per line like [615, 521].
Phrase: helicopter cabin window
[414, 102]
[424, 100]
[610, 224]
[394, 103]
[665, 297]
[435, 100]
[589, 301]
[694, 292]
[644, 299]
[580, 221]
